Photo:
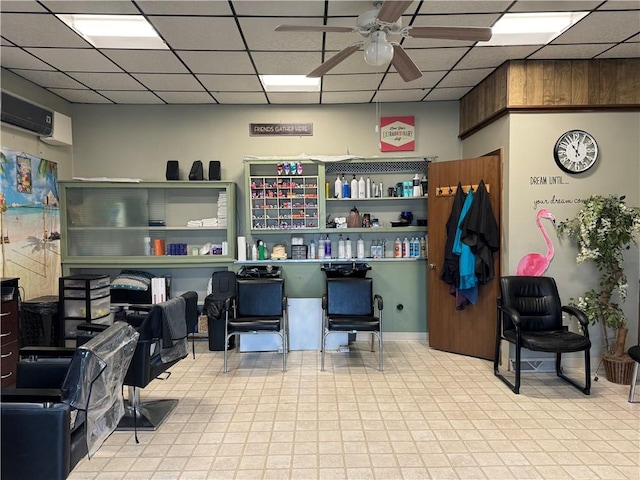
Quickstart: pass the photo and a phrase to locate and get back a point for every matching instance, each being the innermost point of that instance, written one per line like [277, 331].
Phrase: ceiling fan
[375, 25]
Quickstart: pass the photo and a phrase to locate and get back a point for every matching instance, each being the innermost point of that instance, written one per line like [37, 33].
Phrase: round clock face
[576, 151]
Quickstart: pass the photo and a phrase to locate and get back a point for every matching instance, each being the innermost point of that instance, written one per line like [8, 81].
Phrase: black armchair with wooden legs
[529, 315]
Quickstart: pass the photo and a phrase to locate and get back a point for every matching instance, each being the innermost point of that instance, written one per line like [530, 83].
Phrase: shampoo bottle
[368, 188]
[345, 188]
[337, 191]
[362, 188]
[397, 248]
[341, 247]
[321, 248]
[354, 187]
[348, 249]
[360, 248]
[327, 247]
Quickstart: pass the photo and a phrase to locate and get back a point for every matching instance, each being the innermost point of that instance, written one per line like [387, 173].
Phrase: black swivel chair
[349, 305]
[634, 353]
[260, 307]
[163, 342]
[63, 408]
[529, 315]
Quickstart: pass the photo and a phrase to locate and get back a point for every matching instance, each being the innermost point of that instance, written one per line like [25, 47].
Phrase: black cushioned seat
[529, 315]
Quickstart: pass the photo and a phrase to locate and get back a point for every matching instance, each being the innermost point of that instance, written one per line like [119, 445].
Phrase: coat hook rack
[449, 191]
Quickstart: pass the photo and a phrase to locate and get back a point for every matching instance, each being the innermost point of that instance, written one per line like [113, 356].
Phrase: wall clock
[576, 151]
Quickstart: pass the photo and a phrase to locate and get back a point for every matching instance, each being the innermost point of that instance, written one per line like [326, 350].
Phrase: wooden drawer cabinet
[9, 331]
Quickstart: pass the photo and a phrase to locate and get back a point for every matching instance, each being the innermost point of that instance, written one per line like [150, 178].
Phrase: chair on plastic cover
[529, 315]
[260, 307]
[64, 408]
[349, 305]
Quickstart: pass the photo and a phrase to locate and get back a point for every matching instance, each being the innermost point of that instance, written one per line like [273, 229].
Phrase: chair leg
[496, 369]
[634, 378]
[380, 351]
[586, 389]
[324, 347]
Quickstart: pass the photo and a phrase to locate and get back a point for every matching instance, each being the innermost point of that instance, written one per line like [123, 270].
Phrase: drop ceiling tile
[146, 61]
[245, 98]
[347, 97]
[175, 81]
[280, 8]
[75, 60]
[434, 59]
[186, 97]
[619, 5]
[344, 83]
[184, 7]
[286, 63]
[13, 57]
[4, 42]
[199, 33]
[393, 81]
[260, 34]
[24, 6]
[443, 94]
[290, 98]
[217, 62]
[486, 57]
[399, 95]
[446, 7]
[231, 83]
[623, 50]
[126, 97]
[92, 6]
[557, 52]
[35, 30]
[602, 27]
[49, 79]
[554, 6]
[80, 96]
[464, 78]
[355, 8]
[108, 81]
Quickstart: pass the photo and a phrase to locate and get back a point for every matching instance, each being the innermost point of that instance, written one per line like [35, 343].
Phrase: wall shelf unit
[113, 225]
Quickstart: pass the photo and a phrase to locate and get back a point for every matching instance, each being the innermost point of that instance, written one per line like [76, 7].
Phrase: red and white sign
[397, 134]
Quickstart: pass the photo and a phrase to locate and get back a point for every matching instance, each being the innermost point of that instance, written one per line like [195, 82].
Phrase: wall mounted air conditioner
[25, 115]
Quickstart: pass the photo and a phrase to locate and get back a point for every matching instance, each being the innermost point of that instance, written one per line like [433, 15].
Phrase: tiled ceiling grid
[218, 48]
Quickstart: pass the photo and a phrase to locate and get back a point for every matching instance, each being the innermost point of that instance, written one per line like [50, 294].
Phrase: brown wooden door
[470, 331]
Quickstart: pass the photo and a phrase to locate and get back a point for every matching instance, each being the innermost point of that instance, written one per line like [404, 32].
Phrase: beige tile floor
[430, 415]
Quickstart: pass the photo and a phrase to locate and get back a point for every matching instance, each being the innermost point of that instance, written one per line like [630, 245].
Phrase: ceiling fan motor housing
[368, 23]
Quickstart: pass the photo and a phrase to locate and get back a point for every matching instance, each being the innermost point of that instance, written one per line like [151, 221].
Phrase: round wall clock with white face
[576, 151]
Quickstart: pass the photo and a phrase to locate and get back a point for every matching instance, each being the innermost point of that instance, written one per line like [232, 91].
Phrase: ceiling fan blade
[311, 28]
[404, 65]
[392, 10]
[451, 33]
[335, 60]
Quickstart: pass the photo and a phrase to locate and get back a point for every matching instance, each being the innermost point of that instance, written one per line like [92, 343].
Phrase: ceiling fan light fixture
[378, 51]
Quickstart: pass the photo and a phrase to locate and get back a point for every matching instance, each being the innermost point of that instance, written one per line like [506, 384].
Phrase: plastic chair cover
[94, 380]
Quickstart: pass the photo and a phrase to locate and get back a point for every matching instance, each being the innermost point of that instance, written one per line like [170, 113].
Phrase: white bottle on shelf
[368, 195]
[354, 187]
[405, 248]
[360, 248]
[321, 248]
[348, 253]
[341, 247]
[338, 187]
[362, 188]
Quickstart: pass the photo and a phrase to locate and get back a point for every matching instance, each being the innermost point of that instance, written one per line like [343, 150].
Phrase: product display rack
[383, 210]
[106, 224]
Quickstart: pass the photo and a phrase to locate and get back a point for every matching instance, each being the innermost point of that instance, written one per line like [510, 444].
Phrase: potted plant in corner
[604, 228]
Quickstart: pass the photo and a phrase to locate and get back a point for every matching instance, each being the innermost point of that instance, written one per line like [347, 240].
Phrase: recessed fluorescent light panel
[531, 28]
[290, 83]
[116, 31]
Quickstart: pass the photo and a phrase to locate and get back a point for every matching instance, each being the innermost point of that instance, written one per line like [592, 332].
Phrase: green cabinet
[147, 224]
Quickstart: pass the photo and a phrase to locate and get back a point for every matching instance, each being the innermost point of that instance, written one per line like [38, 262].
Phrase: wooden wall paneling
[607, 82]
[535, 83]
[628, 81]
[516, 84]
[579, 82]
[562, 85]
[548, 86]
[593, 83]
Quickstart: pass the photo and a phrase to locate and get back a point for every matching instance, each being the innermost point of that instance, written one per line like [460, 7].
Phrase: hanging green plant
[603, 229]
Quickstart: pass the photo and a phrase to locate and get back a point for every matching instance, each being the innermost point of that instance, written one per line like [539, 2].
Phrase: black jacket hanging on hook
[480, 231]
[451, 269]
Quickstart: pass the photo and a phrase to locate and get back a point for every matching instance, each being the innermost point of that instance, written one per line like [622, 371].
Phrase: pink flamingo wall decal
[535, 264]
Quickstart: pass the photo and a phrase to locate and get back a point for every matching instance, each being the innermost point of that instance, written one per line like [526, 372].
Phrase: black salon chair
[260, 307]
[163, 342]
[529, 315]
[349, 305]
[63, 408]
